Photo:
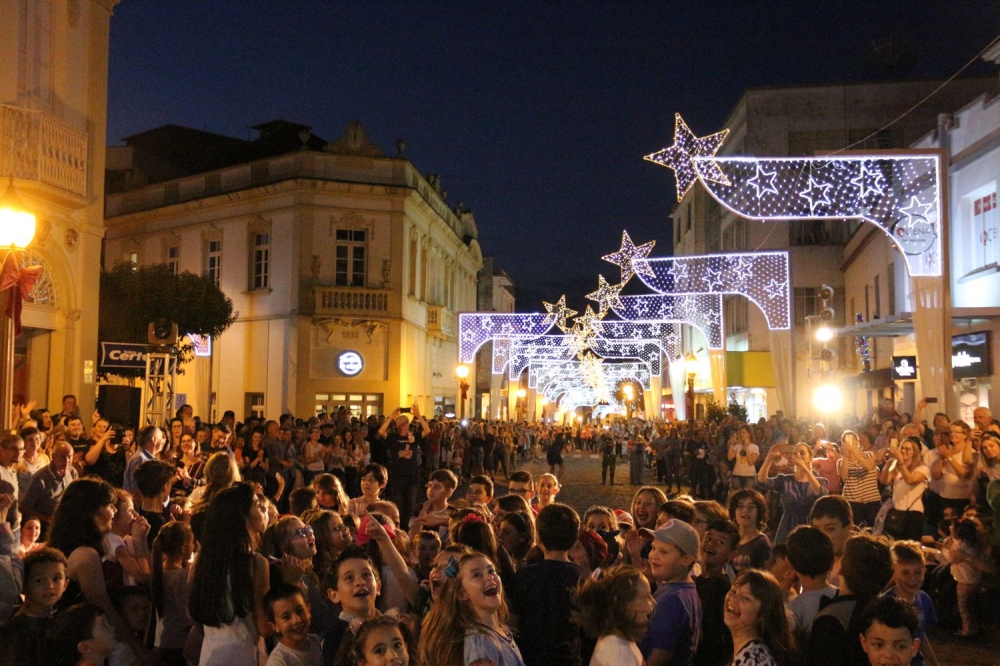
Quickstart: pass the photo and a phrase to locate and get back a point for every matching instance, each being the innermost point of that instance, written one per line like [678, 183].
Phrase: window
[890, 285]
[260, 260]
[735, 314]
[878, 297]
[984, 230]
[174, 259]
[35, 40]
[735, 235]
[253, 404]
[412, 290]
[213, 260]
[817, 232]
[350, 257]
[809, 142]
[807, 303]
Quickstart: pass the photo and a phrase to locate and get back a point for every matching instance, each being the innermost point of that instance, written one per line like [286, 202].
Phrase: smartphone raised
[405, 410]
[930, 401]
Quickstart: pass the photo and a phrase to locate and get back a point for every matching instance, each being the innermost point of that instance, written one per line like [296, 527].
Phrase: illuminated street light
[825, 333]
[17, 223]
[691, 368]
[462, 372]
[828, 399]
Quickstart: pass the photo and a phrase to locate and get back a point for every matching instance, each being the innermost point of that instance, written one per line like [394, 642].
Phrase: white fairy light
[686, 148]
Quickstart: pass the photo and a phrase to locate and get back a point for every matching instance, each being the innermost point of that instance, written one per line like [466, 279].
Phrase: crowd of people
[340, 541]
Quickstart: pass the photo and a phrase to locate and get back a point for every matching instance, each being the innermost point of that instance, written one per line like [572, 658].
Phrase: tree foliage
[738, 410]
[714, 412]
[132, 297]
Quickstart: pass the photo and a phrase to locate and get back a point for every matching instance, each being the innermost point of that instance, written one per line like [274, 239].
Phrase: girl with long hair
[468, 621]
[615, 609]
[755, 615]
[84, 515]
[171, 590]
[230, 580]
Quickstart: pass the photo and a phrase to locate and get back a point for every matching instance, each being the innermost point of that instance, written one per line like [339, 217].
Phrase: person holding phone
[106, 456]
[859, 473]
[404, 444]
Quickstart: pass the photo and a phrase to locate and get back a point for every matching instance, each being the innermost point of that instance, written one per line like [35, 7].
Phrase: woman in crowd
[798, 490]
[232, 614]
[859, 473]
[191, 462]
[756, 618]
[743, 453]
[907, 475]
[82, 518]
[645, 503]
[106, 457]
[952, 463]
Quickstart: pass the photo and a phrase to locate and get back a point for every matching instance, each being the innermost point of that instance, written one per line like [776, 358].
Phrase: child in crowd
[540, 595]
[22, 640]
[154, 478]
[908, 569]
[614, 608]
[288, 613]
[171, 589]
[301, 500]
[889, 632]
[810, 555]
[681, 509]
[866, 568]
[126, 542]
[832, 515]
[466, 624]
[522, 484]
[705, 512]
[352, 581]
[374, 478]
[516, 535]
[548, 488]
[783, 573]
[435, 513]
[134, 606]
[386, 639]
[31, 530]
[717, 547]
[675, 629]
[589, 553]
[480, 490]
[748, 509]
[427, 550]
[81, 635]
[968, 563]
[330, 493]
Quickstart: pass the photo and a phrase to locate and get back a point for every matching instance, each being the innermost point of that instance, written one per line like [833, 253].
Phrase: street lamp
[629, 395]
[545, 404]
[521, 406]
[17, 229]
[462, 372]
[691, 368]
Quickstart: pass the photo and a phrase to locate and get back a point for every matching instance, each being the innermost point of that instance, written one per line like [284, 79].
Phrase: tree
[133, 296]
[738, 410]
[714, 412]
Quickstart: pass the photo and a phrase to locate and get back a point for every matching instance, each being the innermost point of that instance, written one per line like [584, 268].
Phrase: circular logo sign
[350, 363]
[915, 234]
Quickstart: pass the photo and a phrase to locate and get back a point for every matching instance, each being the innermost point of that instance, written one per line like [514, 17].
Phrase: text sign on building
[350, 363]
[904, 367]
[970, 355]
[123, 356]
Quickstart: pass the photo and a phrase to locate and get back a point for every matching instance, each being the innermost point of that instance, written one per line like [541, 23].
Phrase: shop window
[986, 244]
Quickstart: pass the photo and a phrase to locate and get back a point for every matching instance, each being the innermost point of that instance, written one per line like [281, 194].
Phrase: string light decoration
[667, 334]
[476, 328]
[862, 346]
[680, 156]
[561, 312]
[606, 295]
[702, 311]
[762, 277]
[631, 259]
[899, 193]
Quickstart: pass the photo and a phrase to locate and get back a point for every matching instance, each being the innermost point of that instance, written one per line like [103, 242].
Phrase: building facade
[802, 121]
[495, 396]
[346, 266]
[53, 114]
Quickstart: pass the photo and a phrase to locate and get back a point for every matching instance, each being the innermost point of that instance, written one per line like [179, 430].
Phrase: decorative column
[717, 362]
[784, 371]
[932, 330]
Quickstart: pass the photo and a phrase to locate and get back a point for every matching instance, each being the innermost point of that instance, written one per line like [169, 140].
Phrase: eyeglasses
[518, 491]
[303, 533]
[339, 528]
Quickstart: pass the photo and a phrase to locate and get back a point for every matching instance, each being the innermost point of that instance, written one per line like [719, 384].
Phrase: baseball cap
[624, 517]
[677, 533]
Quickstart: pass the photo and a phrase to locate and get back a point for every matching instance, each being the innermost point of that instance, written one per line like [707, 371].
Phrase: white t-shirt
[910, 498]
[743, 467]
[614, 650]
[282, 655]
[950, 485]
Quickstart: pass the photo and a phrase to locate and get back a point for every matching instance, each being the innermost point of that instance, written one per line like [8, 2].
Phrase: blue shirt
[676, 623]
[139, 457]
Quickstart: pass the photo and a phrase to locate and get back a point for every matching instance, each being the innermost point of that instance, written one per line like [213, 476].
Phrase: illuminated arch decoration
[899, 193]
[667, 334]
[477, 328]
[702, 311]
[762, 277]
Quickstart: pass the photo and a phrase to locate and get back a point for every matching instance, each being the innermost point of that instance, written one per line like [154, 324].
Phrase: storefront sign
[123, 355]
[350, 363]
[904, 367]
[970, 355]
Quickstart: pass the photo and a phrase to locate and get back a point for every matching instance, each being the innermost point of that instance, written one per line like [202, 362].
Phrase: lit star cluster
[680, 156]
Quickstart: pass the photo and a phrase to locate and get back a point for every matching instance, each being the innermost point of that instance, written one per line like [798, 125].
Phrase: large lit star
[606, 295]
[680, 156]
[816, 194]
[561, 312]
[631, 258]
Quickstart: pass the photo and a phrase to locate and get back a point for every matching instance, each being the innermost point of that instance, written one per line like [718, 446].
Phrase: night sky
[535, 114]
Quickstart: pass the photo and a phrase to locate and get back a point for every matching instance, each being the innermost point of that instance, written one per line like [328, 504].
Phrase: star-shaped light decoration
[775, 289]
[816, 194]
[869, 181]
[915, 208]
[631, 259]
[763, 181]
[713, 279]
[606, 295]
[561, 312]
[680, 156]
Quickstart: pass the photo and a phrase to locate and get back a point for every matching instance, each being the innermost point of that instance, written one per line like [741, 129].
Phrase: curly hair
[352, 647]
[74, 524]
[602, 603]
[773, 622]
[758, 501]
[442, 637]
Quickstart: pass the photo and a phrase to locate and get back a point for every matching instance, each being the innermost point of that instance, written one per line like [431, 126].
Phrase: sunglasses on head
[303, 533]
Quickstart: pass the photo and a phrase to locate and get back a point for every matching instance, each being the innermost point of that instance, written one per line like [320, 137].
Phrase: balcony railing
[351, 301]
[440, 320]
[34, 146]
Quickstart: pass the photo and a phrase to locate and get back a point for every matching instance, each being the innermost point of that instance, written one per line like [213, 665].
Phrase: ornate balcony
[34, 146]
[440, 320]
[350, 301]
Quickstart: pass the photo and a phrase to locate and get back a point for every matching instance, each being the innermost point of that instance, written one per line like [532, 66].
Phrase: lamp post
[629, 393]
[521, 394]
[462, 372]
[17, 229]
[691, 368]
[545, 404]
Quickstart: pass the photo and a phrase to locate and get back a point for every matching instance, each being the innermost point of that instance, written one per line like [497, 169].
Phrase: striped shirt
[861, 484]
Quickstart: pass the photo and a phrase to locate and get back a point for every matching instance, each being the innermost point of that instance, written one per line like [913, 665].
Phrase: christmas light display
[631, 259]
[686, 148]
[606, 295]
[561, 312]
[702, 311]
[762, 277]
[862, 347]
[899, 193]
[475, 328]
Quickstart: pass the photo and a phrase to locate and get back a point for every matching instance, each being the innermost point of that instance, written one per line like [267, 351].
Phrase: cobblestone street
[582, 488]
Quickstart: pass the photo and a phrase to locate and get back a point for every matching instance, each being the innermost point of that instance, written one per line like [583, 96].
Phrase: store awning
[749, 368]
[902, 323]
